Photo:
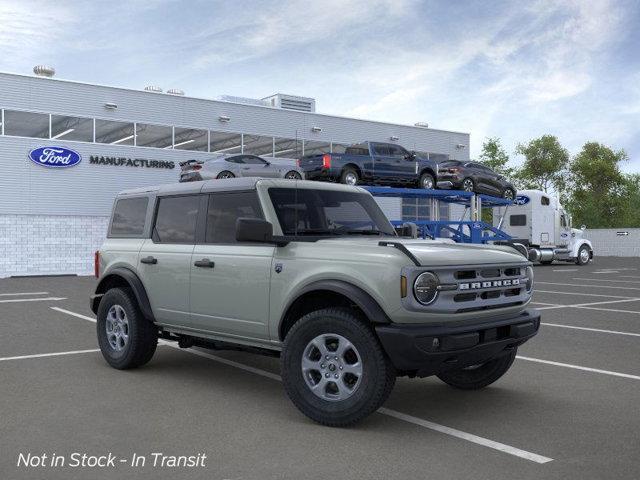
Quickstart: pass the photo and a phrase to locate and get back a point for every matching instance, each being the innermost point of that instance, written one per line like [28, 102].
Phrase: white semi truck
[538, 221]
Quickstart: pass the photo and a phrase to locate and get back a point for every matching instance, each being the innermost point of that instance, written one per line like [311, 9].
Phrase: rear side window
[128, 217]
[544, 200]
[224, 209]
[176, 219]
[517, 220]
[357, 151]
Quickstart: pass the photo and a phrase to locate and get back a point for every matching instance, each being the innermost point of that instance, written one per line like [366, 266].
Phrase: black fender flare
[369, 306]
[133, 281]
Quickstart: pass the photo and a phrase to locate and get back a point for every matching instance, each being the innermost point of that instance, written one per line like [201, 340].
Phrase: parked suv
[474, 177]
[314, 273]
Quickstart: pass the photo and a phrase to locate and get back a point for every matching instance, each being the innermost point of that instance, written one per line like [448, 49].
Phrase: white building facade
[52, 219]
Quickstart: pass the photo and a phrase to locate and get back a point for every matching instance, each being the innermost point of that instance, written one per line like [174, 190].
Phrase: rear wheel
[427, 181]
[468, 185]
[225, 174]
[479, 376]
[508, 194]
[584, 255]
[126, 338]
[349, 177]
[334, 369]
[293, 175]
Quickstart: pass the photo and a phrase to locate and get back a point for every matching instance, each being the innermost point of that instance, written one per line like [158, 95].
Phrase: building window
[158, 136]
[26, 124]
[191, 139]
[114, 133]
[72, 128]
[225, 142]
[287, 148]
[312, 147]
[258, 145]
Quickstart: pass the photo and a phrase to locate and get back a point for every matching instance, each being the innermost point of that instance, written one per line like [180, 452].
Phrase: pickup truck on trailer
[372, 163]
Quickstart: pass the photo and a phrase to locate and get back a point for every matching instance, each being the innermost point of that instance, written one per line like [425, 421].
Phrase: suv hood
[438, 253]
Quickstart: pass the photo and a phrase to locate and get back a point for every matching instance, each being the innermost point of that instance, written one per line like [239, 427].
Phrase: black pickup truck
[372, 163]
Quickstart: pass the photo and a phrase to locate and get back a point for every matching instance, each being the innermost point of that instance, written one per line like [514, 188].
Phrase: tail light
[197, 167]
[326, 161]
[96, 264]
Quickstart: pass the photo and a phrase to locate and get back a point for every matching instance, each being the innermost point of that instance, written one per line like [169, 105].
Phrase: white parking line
[579, 367]
[614, 332]
[23, 293]
[590, 286]
[585, 294]
[552, 306]
[384, 411]
[606, 280]
[53, 354]
[47, 299]
[610, 310]
[566, 270]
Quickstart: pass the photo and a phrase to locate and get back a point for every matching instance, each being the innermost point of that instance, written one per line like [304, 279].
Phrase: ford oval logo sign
[521, 200]
[55, 157]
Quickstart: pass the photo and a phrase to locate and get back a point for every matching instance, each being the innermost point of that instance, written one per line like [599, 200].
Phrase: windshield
[328, 212]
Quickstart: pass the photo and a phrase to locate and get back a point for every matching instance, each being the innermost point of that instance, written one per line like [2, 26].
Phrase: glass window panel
[72, 128]
[157, 136]
[312, 147]
[224, 142]
[224, 210]
[115, 133]
[129, 216]
[258, 145]
[190, 139]
[26, 124]
[287, 148]
[176, 219]
[338, 147]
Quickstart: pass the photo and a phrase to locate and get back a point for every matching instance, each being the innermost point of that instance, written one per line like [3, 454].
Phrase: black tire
[347, 174]
[474, 378]
[509, 194]
[293, 175]
[142, 334]
[579, 258]
[375, 384]
[468, 185]
[225, 174]
[427, 179]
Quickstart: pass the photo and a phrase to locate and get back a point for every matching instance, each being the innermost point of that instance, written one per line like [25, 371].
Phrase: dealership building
[52, 219]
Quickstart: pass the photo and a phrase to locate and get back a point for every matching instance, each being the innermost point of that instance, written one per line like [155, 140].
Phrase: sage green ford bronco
[313, 273]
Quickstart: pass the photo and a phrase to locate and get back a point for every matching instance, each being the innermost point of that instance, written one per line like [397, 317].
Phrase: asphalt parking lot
[568, 408]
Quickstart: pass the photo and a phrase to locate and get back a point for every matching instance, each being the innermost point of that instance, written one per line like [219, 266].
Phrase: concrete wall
[613, 243]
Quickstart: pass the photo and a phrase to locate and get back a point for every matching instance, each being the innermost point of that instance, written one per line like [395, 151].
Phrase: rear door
[382, 162]
[164, 263]
[230, 280]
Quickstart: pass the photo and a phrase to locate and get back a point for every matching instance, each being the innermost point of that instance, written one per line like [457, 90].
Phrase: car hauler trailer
[538, 220]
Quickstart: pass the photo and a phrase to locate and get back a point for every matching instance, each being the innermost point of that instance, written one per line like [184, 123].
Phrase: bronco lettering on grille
[489, 284]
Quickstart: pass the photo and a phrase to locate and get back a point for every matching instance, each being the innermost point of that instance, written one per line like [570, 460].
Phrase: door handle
[149, 260]
[204, 263]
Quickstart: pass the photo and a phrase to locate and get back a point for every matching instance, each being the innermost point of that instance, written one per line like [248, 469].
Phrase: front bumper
[425, 350]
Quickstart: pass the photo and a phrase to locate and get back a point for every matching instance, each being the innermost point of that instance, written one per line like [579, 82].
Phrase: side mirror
[254, 230]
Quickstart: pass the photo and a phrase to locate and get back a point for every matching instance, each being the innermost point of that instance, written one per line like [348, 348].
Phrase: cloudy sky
[515, 70]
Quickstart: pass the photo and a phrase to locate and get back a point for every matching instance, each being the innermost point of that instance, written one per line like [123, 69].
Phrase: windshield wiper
[366, 232]
[317, 231]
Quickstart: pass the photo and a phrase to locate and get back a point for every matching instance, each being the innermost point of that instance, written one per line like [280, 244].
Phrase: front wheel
[293, 175]
[427, 181]
[584, 255]
[479, 376]
[334, 369]
[468, 185]
[126, 338]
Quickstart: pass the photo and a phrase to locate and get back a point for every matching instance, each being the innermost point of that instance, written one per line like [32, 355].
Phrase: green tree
[545, 164]
[495, 157]
[599, 191]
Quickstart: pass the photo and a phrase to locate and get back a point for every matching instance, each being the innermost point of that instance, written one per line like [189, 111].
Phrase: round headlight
[529, 274]
[425, 288]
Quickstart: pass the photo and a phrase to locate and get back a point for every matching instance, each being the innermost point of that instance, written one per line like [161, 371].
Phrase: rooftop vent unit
[153, 88]
[244, 100]
[44, 71]
[291, 102]
[422, 124]
[175, 91]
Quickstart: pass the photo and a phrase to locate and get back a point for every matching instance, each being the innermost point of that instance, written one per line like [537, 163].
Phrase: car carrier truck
[538, 221]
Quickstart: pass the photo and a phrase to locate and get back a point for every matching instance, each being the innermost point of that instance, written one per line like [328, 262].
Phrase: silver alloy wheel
[427, 182]
[467, 185]
[117, 327]
[332, 367]
[225, 175]
[293, 176]
[584, 255]
[350, 178]
[508, 194]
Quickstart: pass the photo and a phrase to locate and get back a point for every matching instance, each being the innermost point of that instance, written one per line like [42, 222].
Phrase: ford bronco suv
[313, 273]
